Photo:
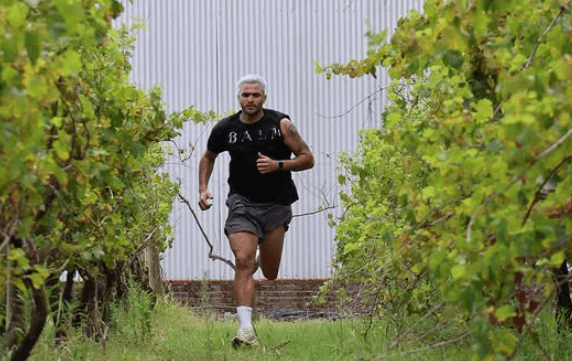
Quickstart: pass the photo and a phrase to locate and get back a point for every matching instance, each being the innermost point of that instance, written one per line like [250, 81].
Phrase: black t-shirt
[244, 142]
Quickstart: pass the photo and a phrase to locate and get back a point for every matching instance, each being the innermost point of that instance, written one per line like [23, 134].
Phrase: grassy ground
[171, 332]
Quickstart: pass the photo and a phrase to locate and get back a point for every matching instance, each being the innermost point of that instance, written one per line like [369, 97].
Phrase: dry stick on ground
[211, 255]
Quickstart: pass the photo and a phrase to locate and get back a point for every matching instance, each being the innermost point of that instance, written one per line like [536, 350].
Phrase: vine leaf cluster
[464, 196]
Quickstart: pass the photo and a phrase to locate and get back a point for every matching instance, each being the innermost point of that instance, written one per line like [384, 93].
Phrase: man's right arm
[205, 170]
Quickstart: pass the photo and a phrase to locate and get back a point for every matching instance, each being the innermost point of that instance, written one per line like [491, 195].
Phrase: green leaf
[484, 111]
[428, 192]
[505, 341]
[453, 58]
[71, 63]
[10, 49]
[494, 146]
[32, 41]
[458, 271]
[37, 279]
[17, 14]
[62, 149]
[505, 312]
[20, 285]
[557, 259]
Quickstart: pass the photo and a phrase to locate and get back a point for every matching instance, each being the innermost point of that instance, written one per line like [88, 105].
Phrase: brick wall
[292, 294]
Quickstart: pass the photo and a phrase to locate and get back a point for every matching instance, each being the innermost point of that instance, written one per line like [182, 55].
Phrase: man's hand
[266, 164]
[204, 200]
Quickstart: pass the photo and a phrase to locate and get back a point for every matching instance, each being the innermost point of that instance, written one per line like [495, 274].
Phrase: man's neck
[251, 119]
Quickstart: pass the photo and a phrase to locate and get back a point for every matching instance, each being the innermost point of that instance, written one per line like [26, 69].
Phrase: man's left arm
[304, 159]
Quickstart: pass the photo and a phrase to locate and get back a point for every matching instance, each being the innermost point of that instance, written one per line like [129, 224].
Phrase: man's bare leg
[270, 252]
[243, 245]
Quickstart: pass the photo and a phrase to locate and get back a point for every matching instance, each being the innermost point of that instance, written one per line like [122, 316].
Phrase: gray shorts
[257, 218]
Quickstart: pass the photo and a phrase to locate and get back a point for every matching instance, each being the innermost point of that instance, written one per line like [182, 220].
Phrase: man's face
[251, 98]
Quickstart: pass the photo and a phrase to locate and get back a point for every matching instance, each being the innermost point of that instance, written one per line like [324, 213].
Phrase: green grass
[172, 332]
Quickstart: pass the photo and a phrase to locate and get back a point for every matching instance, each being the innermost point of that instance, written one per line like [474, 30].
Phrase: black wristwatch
[280, 164]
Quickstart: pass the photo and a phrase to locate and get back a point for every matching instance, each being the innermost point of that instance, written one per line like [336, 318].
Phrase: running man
[260, 143]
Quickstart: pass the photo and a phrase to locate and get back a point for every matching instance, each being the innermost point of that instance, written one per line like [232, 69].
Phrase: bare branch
[542, 155]
[406, 333]
[537, 196]
[540, 38]
[8, 235]
[554, 146]
[60, 269]
[563, 7]
[529, 325]
[144, 243]
[211, 255]
[315, 212]
[355, 106]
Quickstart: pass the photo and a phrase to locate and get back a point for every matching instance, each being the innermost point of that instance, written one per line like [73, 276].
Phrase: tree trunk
[154, 266]
[37, 323]
[14, 311]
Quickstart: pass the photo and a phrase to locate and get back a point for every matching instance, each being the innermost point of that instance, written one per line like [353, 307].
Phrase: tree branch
[539, 157]
[211, 255]
[315, 212]
[8, 235]
[537, 195]
[529, 325]
[539, 40]
[563, 7]
[554, 146]
[355, 106]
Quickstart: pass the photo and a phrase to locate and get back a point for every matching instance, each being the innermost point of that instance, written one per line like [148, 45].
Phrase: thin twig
[539, 190]
[60, 269]
[536, 45]
[529, 326]
[143, 244]
[407, 333]
[211, 255]
[542, 155]
[315, 212]
[540, 38]
[439, 220]
[355, 106]
[8, 236]
[554, 146]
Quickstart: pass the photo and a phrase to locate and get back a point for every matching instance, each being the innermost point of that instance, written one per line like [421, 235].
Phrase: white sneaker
[245, 337]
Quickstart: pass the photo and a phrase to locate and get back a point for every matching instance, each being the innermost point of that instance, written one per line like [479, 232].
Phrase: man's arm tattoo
[296, 138]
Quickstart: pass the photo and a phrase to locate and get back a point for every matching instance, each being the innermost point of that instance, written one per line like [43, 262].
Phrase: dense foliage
[80, 147]
[464, 196]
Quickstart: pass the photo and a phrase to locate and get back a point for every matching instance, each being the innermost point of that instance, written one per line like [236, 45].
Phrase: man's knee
[270, 273]
[271, 276]
[244, 262]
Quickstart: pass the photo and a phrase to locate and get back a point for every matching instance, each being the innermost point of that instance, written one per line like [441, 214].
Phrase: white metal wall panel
[196, 50]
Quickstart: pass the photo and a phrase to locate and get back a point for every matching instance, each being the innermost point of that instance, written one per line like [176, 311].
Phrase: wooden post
[153, 263]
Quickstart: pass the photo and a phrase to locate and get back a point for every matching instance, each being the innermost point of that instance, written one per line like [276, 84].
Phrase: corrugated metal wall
[197, 49]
